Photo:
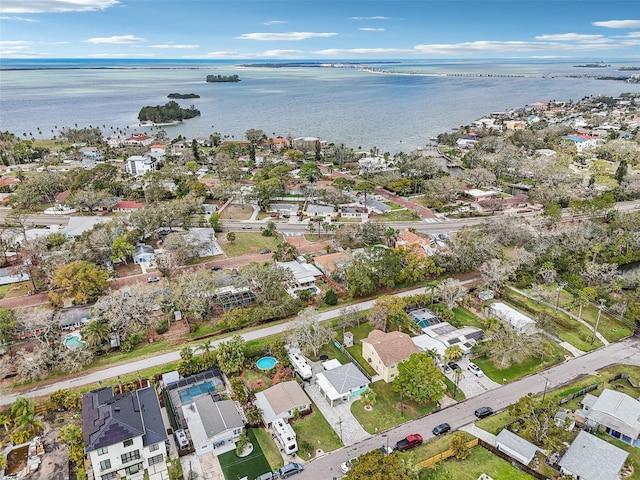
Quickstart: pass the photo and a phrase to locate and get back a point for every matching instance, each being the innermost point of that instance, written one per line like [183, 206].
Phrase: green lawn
[269, 448]
[386, 412]
[478, 462]
[247, 243]
[465, 317]
[430, 449]
[356, 351]
[15, 289]
[251, 466]
[313, 432]
[531, 365]
[400, 216]
[568, 329]
[609, 327]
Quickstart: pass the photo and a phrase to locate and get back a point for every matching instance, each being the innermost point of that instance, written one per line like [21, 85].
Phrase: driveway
[339, 416]
[470, 384]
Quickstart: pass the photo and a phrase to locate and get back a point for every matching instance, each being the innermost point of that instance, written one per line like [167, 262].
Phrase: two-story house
[124, 435]
[383, 351]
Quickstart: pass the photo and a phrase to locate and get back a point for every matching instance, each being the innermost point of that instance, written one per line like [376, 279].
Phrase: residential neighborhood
[300, 307]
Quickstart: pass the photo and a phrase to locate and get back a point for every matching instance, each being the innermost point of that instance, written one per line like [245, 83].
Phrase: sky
[320, 29]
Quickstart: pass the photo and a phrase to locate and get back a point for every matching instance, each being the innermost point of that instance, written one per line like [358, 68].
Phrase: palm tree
[5, 421]
[457, 376]
[97, 332]
[3, 462]
[21, 407]
[453, 353]
[431, 285]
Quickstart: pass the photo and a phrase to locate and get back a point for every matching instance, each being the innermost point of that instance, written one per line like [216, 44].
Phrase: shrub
[242, 442]
[331, 297]
[162, 327]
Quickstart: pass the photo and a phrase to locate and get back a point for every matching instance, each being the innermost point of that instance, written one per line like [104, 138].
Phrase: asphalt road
[625, 352]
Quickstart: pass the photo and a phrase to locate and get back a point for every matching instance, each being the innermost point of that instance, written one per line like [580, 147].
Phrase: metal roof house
[589, 458]
[124, 435]
[619, 414]
[510, 316]
[515, 446]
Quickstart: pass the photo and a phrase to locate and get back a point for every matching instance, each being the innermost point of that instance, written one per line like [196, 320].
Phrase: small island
[222, 78]
[166, 114]
[183, 95]
[593, 65]
[629, 69]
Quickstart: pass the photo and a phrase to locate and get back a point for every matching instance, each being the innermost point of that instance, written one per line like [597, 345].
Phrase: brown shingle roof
[392, 347]
[285, 396]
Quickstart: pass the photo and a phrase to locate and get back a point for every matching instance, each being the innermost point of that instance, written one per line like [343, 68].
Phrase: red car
[409, 441]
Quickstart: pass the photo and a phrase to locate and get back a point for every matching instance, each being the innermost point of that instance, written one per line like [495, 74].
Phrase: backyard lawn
[251, 466]
[386, 412]
[314, 432]
[356, 351]
[478, 462]
[15, 289]
[400, 215]
[247, 243]
[465, 317]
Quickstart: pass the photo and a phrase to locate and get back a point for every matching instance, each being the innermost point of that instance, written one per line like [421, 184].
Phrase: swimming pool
[266, 363]
[187, 394]
[422, 323]
[72, 341]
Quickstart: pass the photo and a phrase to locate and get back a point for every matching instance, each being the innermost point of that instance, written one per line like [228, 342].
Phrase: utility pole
[561, 285]
[340, 425]
[546, 384]
[595, 327]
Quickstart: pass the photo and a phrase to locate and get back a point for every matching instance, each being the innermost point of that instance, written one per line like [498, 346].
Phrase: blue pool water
[266, 363]
[187, 394]
[72, 341]
[422, 323]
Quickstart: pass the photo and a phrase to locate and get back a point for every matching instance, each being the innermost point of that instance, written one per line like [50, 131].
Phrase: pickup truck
[409, 441]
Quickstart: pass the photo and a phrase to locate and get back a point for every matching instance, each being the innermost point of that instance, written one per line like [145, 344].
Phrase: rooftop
[391, 347]
[590, 458]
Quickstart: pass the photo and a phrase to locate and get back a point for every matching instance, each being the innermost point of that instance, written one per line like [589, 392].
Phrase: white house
[342, 383]
[619, 414]
[138, 165]
[124, 435]
[510, 316]
[214, 425]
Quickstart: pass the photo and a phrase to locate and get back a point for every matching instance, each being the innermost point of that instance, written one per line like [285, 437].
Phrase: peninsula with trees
[222, 78]
[169, 112]
[183, 95]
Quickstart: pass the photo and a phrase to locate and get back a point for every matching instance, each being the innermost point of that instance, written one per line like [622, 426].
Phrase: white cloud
[54, 6]
[371, 29]
[117, 39]
[17, 19]
[618, 24]
[275, 22]
[569, 37]
[363, 51]
[291, 36]
[226, 54]
[14, 43]
[371, 18]
[176, 46]
[628, 35]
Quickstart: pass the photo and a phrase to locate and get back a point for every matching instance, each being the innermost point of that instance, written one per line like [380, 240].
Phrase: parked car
[386, 450]
[441, 429]
[475, 369]
[483, 412]
[345, 466]
[409, 441]
[265, 251]
[153, 279]
[290, 469]
[453, 366]
[246, 227]
[216, 268]
[267, 476]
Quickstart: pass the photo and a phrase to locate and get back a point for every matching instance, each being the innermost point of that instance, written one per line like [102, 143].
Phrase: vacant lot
[247, 243]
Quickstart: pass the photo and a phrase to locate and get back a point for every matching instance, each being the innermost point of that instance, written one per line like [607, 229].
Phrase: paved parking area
[470, 384]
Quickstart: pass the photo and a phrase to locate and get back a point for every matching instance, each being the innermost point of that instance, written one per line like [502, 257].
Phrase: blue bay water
[394, 112]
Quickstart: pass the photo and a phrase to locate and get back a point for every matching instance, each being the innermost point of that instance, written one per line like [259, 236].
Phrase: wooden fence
[444, 455]
[520, 466]
[579, 393]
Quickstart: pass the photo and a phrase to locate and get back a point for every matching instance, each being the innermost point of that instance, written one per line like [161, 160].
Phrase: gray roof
[109, 419]
[78, 225]
[217, 417]
[590, 458]
[617, 411]
[346, 378]
[74, 315]
[517, 444]
[589, 400]
[319, 209]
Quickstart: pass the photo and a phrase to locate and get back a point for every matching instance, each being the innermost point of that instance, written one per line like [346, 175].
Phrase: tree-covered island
[170, 112]
[222, 78]
[183, 95]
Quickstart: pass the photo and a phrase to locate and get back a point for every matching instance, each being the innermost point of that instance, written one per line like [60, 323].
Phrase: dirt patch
[177, 332]
[55, 461]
